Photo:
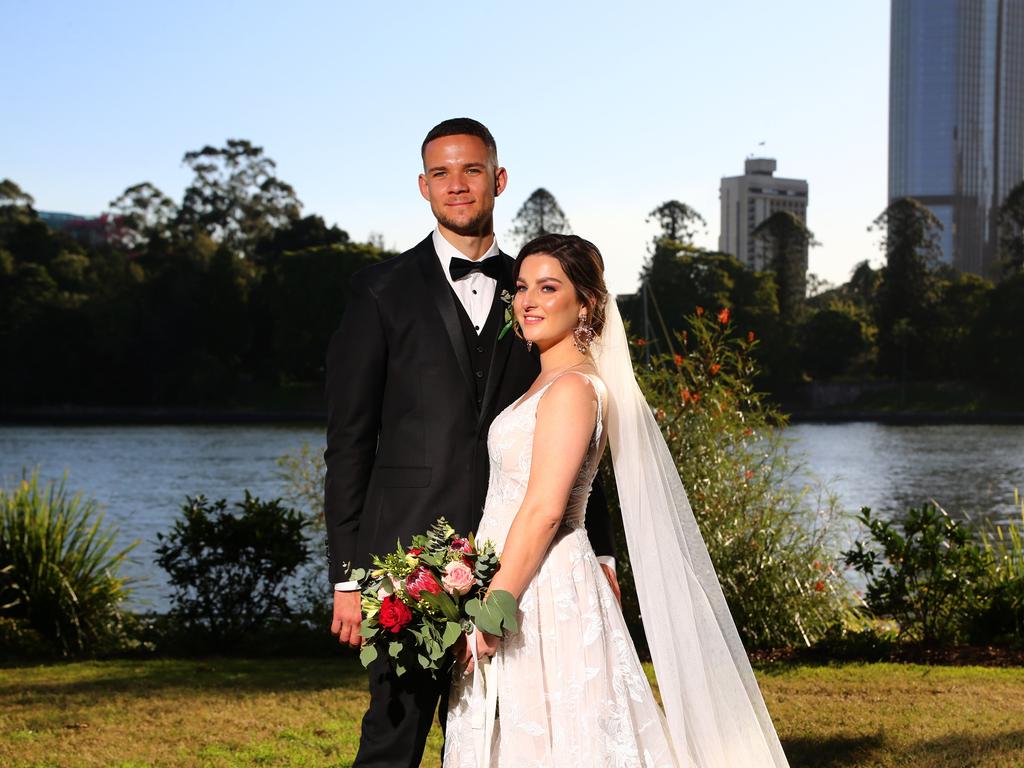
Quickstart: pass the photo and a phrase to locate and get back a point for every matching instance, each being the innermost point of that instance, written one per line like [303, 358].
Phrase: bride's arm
[565, 424]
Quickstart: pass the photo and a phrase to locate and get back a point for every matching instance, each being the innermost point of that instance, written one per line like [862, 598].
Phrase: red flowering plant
[419, 599]
[762, 529]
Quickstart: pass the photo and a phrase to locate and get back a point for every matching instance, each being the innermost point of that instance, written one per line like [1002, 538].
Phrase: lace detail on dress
[571, 690]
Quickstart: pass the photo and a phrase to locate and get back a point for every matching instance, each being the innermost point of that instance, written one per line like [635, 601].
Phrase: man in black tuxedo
[420, 366]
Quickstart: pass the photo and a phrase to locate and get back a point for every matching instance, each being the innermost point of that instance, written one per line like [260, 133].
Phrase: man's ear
[423, 187]
[500, 181]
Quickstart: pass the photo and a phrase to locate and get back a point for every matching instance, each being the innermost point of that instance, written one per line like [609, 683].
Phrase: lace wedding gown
[570, 688]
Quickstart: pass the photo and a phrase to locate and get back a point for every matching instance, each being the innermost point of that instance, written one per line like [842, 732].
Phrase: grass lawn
[305, 712]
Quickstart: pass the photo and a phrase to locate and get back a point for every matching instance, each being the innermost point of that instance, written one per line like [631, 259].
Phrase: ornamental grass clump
[59, 566]
[769, 540]
[1000, 617]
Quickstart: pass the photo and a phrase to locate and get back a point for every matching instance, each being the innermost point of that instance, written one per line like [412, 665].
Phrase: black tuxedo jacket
[406, 440]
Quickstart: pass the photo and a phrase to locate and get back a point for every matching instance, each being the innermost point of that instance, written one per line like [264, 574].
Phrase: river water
[142, 474]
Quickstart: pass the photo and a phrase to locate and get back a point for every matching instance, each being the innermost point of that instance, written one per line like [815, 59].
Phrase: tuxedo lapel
[441, 294]
[502, 347]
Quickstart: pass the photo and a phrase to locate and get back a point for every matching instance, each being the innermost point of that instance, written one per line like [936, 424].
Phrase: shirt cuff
[346, 586]
[607, 560]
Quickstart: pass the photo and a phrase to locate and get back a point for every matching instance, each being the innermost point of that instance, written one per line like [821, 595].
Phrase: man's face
[460, 181]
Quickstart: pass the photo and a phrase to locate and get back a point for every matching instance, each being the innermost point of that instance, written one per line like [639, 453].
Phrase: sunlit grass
[306, 712]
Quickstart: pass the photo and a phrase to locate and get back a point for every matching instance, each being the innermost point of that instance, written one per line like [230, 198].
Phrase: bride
[568, 688]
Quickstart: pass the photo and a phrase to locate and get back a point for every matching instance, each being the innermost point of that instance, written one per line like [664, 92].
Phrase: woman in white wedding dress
[568, 688]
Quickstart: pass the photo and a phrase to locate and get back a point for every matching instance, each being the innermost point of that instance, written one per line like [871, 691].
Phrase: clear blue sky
[613, 107]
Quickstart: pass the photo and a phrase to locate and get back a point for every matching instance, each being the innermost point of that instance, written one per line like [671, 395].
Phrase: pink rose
[458, 578]
[421, 580]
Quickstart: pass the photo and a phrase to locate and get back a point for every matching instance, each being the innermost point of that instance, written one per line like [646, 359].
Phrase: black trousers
[402, 709]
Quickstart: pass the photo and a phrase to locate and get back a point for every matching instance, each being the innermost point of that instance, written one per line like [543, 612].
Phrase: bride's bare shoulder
[572, 391]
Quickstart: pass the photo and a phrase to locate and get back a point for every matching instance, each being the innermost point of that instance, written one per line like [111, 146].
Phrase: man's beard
[480, 225]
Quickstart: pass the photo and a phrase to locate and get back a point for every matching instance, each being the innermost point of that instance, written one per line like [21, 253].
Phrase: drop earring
[518, 331]
[583, 335]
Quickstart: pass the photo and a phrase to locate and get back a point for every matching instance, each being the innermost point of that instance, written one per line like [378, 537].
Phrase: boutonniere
[510, 319]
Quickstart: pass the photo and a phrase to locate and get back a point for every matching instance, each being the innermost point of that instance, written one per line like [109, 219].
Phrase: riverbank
[241, 712]
[112, 416]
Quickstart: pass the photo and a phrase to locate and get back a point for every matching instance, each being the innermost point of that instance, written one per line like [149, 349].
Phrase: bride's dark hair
[582, 264]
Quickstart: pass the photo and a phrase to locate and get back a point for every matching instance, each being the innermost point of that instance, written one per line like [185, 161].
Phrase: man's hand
[613, 581]
[347, 618]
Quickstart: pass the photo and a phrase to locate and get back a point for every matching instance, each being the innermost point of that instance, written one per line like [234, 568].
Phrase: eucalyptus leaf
[495, 614]
[394, 649]
[452, 632]
[367, 655]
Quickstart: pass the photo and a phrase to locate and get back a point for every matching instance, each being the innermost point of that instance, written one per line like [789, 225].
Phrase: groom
[420, 366]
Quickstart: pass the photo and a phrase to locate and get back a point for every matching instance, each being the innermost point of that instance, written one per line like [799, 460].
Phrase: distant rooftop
[759, 166]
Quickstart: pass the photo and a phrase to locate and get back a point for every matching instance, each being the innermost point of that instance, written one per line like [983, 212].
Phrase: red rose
[420, 580]
[415, 550]
[394, 614]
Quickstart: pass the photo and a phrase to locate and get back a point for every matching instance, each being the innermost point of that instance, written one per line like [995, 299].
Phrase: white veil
[716, 715]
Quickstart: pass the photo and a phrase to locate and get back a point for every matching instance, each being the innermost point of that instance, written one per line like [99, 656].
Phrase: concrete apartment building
[748, 200]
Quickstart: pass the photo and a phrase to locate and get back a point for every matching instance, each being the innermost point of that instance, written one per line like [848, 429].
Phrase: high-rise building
[748, 200]
[956, 117]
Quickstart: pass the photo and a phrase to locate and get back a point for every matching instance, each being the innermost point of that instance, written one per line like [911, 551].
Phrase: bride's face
[546, 305]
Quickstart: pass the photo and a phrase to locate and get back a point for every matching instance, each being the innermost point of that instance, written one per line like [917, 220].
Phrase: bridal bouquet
[418, 600]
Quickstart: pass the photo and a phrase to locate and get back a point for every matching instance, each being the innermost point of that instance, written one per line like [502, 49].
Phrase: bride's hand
[486, 645]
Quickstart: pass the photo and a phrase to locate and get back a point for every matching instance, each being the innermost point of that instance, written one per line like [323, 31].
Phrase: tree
[235, 196]
[788, 238]
[307, 232]
[833, 338]
[141, 213]
[910, 239]
[678, 222]
[1011, 231]
[15, 206]
[540, 215]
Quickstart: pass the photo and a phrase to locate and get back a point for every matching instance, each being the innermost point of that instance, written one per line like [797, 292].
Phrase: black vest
[480, 345]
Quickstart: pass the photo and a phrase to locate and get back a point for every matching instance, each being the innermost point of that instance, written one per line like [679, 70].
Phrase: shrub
[770, 542]
[930, 574]
[232, 574]
[303, 475]
[59, 568]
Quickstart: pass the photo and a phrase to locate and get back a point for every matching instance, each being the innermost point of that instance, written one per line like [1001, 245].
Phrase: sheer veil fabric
[716, 715]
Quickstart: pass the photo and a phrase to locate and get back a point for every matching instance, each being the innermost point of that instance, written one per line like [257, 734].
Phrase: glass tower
[956, 117]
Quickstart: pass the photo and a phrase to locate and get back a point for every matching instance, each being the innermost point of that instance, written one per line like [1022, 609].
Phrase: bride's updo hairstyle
[582, 264]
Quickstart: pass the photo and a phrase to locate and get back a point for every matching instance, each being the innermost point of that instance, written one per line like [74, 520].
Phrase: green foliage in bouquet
[770, 540]
[418, 600]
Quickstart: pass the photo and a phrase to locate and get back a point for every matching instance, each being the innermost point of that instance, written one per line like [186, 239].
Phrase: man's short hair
[462, 126]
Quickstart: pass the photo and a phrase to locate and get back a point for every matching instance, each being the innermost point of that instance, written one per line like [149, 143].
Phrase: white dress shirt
[475, 290]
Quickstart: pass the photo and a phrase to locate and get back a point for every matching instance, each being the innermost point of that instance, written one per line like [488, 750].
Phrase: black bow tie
[459, 268]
